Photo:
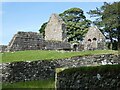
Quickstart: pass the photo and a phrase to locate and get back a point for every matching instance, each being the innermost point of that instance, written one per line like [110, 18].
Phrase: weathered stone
[3, 48]
[55, 29]
[90, 79]
[33, 41]
[44, 69]
[94, 39]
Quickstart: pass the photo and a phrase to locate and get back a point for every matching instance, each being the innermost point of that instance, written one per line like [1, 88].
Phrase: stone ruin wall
[33, 41]
[45, 69]
[55, 29]
[26, 41]
[85, 78]
[57, 45]
[3, 48]
[94, 39]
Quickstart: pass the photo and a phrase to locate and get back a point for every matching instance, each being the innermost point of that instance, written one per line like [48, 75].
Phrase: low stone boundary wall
[27, 71]
[44, 69]
[84, 78]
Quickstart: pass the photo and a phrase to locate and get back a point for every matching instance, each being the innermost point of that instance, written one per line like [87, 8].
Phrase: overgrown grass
[50, 83]
[92, 69]
[32, 55]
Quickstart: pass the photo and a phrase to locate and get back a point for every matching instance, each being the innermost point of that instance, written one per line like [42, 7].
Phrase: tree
[109, 19]
[42, 29]
[76, 22]
[73, 15]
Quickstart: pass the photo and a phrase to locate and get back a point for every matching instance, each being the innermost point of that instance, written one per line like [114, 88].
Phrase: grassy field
[32, 84]
[33, 55]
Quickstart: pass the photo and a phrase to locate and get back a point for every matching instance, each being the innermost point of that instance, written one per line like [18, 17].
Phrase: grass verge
[32, 55]
[50, 83]
[93, 69]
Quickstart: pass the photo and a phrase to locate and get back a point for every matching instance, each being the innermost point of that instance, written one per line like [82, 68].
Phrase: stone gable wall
[55, 29]
[94, 39]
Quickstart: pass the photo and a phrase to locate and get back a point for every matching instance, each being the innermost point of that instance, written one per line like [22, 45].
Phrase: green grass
[92, 69]
[32, 55]
[50, 83]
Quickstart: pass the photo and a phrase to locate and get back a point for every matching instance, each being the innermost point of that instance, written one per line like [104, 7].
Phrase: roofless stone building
[55, 39]
[94, 39]
[26, 41]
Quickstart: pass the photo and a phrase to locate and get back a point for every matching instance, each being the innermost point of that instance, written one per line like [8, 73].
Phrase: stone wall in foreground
[85, 78]
[44, 69]
[27, 71]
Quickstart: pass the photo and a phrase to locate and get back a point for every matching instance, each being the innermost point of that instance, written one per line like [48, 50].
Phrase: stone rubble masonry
[55, 29]
[94, 39]
[34, 41]
[44, 69]
[26, 41]
[85, 78]
[3, 48]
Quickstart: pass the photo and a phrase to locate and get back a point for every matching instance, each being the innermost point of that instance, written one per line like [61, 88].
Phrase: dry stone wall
[85, 78]
[44, 69]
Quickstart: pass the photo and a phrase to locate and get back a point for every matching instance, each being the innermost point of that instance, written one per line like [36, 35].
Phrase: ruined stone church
[55, 38]
[94, 39]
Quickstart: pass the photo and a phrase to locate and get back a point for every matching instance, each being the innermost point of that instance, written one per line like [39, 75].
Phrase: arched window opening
[75, 46]
[89, 40]
[94, 39]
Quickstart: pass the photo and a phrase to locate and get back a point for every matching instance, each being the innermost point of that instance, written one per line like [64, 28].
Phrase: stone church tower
[55, 29]
[94, 39]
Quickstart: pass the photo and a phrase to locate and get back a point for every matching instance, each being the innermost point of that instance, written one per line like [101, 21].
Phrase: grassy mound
[32, 55]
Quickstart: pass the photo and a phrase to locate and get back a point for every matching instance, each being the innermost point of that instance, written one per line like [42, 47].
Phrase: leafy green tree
[42, 29]
[109, 20]
[76, 22]
[73, 15]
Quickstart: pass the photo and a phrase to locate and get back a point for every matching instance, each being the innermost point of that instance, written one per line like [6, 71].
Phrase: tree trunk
[118, 29]
[111, 40]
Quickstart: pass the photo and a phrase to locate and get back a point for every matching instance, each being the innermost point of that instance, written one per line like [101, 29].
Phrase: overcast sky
[29, 16]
